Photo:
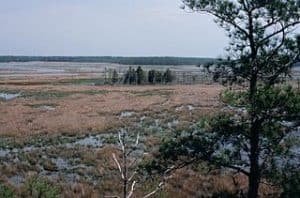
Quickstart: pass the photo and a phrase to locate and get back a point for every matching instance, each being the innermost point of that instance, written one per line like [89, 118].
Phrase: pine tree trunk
[254, 177]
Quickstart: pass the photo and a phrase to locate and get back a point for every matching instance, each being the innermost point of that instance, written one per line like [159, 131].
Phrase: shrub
[6, 191]
[40, 188]
[291, 186]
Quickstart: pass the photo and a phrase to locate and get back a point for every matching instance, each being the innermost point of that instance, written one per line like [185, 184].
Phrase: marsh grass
[156, 92]
[6, 192]
[50, 94]
[39, 105]
[83, 81]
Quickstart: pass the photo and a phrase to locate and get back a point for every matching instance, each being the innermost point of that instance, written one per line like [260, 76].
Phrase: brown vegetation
[81, 109]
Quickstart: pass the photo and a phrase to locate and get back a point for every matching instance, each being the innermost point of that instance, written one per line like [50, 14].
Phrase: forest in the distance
[111, 59]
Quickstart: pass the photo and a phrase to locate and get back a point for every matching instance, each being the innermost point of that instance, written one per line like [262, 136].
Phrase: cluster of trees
[139, 76]
[111, 76]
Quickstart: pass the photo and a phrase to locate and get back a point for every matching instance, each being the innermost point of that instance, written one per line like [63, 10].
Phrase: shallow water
[47, 108]
[126, 114]
[183, 107]
[61, 163]
[190, 107]
[8, 96]
[90, 141]
[173, 123]
[16, 180]
[94, 141]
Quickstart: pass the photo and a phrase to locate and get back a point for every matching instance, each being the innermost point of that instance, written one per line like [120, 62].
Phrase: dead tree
[127, 163]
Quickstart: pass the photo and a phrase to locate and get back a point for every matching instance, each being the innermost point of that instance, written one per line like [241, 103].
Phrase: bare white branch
[162, 183]
[121, 141]
[137, 139]
[158, 188]
[118, 164]
[131, 190]
[131, 177]
[133, 162]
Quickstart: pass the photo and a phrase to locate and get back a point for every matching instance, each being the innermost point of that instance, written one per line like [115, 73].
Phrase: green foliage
[140, 75]
[269, 101]
[151, 76]
[278, 101]
[158, 76]
[40, 188]
[154, 76]
[6, 192]
[130, 76]
[291, 186]
[232, 98]
[168, 77]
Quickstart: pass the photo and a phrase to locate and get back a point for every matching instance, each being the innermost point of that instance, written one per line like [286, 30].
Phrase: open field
[50, 109]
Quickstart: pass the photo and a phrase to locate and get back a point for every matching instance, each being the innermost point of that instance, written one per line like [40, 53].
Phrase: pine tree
[168, 77]
[115, 77]
[253, 134]
[140, 75]
[151, 76]
[158, 77]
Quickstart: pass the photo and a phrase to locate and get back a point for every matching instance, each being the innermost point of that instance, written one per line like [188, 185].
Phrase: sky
[106, 28]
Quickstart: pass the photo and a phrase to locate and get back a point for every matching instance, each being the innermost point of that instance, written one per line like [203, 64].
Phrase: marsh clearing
[67, 132]
[64, 128]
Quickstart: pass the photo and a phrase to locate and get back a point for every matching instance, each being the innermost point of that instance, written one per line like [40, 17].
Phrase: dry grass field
[50, 109]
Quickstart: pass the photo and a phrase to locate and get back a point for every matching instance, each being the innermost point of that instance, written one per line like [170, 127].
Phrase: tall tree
[115, 76]
[140, 74]
[130, 76]
[151, 76]
[168, 77]
[158, 76]
[249, 135]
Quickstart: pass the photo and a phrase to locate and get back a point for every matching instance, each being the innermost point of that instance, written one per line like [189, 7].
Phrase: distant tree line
[111, 59]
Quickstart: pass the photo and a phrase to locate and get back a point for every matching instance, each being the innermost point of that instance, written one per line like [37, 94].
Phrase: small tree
[128, 168]
[168, 77]
[105, 75]
[130, 76]
[252, 132]
[151, 76]
[158, 77]
[115, 77]
[140, 75]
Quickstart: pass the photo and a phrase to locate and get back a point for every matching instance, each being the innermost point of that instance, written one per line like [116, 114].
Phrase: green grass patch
[162, 92]
[86, 81]
[6, 192]
[41, 105]
[45, 95]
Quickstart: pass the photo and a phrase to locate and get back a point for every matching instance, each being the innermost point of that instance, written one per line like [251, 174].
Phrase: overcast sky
[106, 27]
